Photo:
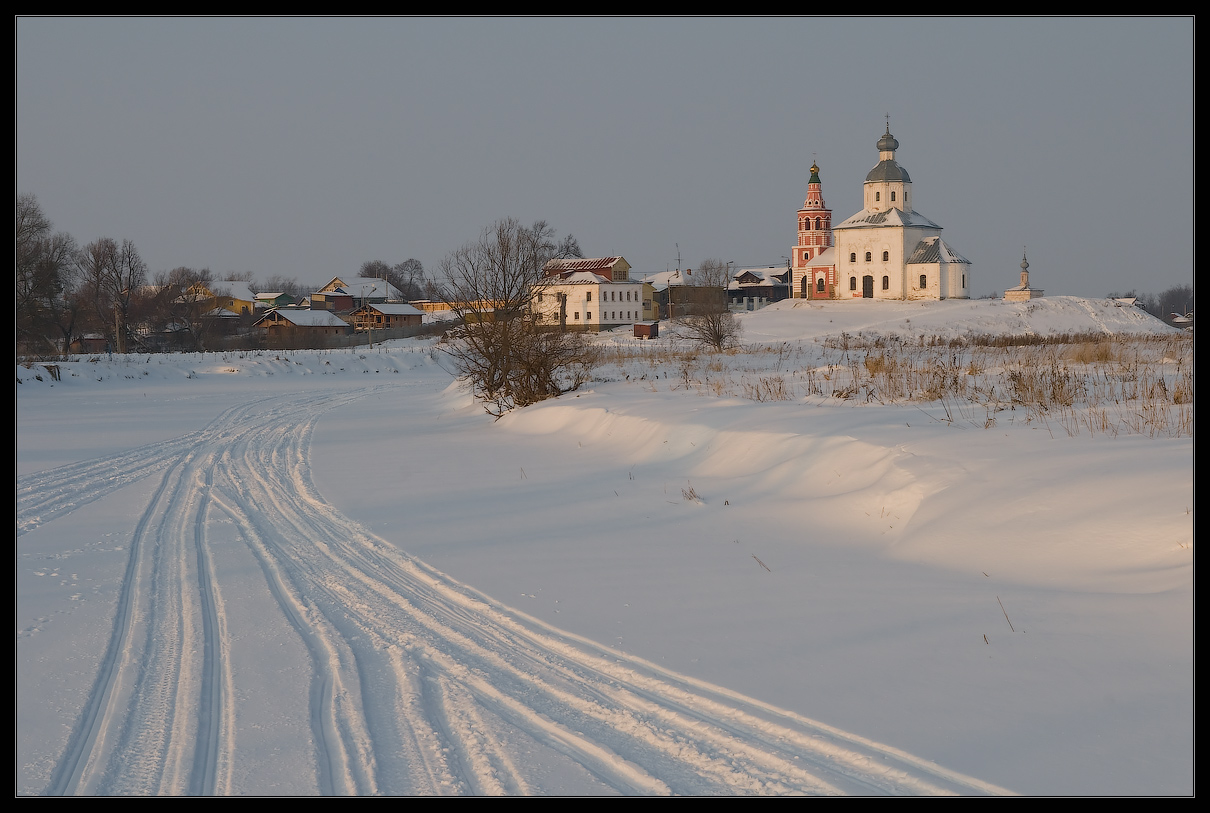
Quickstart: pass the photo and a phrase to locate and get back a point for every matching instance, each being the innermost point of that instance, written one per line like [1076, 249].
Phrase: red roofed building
[614, 269]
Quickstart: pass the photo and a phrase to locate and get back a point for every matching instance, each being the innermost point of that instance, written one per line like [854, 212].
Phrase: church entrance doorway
[867, 287]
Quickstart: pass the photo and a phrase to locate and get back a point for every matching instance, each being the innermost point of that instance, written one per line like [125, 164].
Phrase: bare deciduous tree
[186, 300]
[708, 321]
[113, 274]
[497, 347]
[278, 284]
[568, 248]
[407, 277]
[44, 266]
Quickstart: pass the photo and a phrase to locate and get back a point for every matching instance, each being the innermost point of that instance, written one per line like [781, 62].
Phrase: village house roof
[560, 266]
[303, 318]
[583, 278]
[394, 309]
[661, 280]
[749, 277]
[359, 287]
[221, 313]
[234, 290]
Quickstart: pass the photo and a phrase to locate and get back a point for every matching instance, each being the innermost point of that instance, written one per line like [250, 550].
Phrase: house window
[587, 316]
[588, 298]
[819, 285]
[886, 256]
[924, 281]
[853, 257]
[886, 283]
[577, 316]
[868, 256]
[852, 283]
[539, 297]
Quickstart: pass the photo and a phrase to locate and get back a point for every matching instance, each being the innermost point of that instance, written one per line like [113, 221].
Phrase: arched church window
[964, 280]
[817, 222]
[877, 196]
[805, 225]
[852, 283]
[892, 196]
[924, 281]
[853, 257]
[886, 283]
[868, 256]
[886, 256]
[819, 285]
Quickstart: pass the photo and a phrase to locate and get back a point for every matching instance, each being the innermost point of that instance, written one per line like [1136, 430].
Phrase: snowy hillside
[331, 572]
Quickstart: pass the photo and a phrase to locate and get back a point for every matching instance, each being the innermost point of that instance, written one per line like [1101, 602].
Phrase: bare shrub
[497, 345]
[708, 320]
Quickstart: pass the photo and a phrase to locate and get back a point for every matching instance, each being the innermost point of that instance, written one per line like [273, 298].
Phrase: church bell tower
[814, 223]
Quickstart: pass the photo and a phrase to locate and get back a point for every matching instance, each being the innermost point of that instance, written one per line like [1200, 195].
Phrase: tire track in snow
[93, 724]
[215, 709]
[161, 704]
[44, 495]
[409, 668]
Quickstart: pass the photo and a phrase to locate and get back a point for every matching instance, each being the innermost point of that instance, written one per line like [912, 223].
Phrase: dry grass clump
[1099, 351]
[1075, 383]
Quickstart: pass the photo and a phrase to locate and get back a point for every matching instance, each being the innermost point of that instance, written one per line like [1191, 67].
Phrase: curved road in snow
[415, 684]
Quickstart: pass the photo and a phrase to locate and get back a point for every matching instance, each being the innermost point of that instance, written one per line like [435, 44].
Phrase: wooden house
[386, 316]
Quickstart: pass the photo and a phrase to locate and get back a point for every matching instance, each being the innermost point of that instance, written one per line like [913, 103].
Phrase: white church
[886, 251]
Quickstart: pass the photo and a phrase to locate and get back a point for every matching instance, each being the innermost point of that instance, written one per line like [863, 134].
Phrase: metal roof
[890, 217]
[393, 309]
[306, 318]
[934, 250]
[582, 264]
[888, 170]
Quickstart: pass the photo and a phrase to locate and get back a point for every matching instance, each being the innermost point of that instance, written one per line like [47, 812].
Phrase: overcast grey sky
[304, 147]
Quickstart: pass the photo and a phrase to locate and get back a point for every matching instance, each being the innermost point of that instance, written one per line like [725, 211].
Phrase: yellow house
[231, 296]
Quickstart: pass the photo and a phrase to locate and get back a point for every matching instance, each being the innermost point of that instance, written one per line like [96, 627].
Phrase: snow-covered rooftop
[306, 318]
[933, 250]
[890, 217]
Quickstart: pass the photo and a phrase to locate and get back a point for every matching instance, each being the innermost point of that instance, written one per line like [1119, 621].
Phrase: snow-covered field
[331, 572]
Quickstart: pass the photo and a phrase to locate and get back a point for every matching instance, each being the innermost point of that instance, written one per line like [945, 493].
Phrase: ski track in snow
[413, 676]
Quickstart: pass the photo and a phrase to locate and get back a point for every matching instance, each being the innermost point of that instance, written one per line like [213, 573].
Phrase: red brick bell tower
[814, 235]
